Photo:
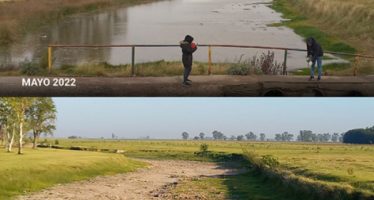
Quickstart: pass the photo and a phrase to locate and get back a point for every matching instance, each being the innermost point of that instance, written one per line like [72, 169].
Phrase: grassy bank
[19, 17]
[350, 166]
[258, 65]
[39, 169]
[339, 25]
[157, 68]
[244, 186]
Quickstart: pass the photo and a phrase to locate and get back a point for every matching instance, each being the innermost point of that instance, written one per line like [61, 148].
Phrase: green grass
[246, 186]
[329, 69]
[42, 168]
[157, 68]
[338, 25]
[300, 24]
[326, 163]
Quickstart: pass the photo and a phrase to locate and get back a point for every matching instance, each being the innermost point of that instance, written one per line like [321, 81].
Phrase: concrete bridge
[203, 86]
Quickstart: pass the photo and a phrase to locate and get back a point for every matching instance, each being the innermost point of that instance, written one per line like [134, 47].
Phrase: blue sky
[169, 117]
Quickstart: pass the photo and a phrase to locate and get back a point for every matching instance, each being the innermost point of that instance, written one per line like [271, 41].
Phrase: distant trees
[251, 136]
[285, 136]
[240, 137]
[185, 135]
[262, 136]
[304, 136]
[359, 136]
[218, 135]
[309, 136]
[202, 135]
[335, 137]
[18, 115]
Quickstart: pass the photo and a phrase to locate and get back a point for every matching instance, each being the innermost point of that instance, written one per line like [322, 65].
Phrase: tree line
[21, 115]
[359, 136]
[303, 136]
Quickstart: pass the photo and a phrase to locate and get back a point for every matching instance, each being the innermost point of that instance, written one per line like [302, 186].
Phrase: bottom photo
[186, 148]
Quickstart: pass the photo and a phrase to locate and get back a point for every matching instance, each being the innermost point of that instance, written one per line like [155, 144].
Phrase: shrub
[264, 64]
[204, 147]
[270, 161]
[30, 68]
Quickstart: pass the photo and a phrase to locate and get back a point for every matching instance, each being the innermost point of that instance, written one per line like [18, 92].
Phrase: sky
[167, 118]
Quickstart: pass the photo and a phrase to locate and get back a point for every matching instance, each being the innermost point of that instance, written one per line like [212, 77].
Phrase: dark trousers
[187, 72]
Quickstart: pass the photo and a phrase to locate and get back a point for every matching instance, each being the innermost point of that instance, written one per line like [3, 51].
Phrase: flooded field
[238, 22]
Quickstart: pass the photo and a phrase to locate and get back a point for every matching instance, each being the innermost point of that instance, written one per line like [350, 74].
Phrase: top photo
[187, 48]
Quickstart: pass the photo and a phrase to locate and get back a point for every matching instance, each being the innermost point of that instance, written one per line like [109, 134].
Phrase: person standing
[188, 48]
[315, 54]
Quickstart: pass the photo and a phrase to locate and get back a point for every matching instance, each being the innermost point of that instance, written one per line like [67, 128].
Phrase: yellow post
[210, 60]
[49, 59]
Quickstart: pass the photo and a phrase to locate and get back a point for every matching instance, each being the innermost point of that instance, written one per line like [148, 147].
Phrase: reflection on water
[241, 22]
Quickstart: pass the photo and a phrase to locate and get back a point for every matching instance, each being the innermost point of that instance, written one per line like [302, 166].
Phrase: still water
[240, 22]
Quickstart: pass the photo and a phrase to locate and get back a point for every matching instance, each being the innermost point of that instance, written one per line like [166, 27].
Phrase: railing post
[49, 59]
[133, 61]
[285, 62]
[210, 60]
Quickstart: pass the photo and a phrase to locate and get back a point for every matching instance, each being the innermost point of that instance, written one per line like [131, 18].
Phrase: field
[38, 169]
[319, 169]
[347, 166]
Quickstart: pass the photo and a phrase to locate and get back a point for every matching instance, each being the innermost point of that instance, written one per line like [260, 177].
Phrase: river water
[239, 22]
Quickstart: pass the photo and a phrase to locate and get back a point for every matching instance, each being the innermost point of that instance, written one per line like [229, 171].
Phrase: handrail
[203, 45]
[133, 46]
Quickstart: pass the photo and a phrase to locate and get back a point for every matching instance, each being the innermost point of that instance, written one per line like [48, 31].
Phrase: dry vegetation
[335, 23]
[351, 20]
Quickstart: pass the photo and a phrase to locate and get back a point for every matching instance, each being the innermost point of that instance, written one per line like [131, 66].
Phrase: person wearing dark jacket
[315, 54]
[188, 48]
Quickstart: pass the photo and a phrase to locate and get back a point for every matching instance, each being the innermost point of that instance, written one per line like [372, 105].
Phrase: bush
[57, 142]
[30, 68]
[270, 161]
[239, 69]
[204, 147]
[264, 64]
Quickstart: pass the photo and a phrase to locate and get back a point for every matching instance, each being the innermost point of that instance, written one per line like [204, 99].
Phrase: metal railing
[210, 46]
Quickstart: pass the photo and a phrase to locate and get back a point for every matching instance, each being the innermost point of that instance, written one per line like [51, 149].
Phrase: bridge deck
[203, 86]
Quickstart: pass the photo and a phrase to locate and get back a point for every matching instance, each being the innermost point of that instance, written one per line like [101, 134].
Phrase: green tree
[262, 136]
[42, 117]
[202, 135]
[8, 123]
[335, 137]
[251, 136]
[240, 137]
[217, 135]
[185, 135]
[20, 107]
[359, 136]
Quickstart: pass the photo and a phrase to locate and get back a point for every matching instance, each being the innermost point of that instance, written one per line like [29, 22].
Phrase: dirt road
[150, 183]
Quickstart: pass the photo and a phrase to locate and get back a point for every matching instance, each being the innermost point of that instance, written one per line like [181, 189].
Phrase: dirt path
[149, 183]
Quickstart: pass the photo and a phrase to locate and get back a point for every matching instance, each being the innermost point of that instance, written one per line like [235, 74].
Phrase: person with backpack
[188, 48]
[315, 54]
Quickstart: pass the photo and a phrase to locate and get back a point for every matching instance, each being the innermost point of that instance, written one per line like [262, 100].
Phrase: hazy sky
[169, 117]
